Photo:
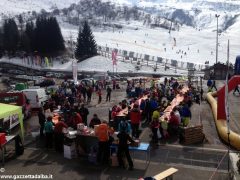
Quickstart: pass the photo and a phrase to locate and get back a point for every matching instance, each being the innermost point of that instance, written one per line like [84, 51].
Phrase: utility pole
[217, 16]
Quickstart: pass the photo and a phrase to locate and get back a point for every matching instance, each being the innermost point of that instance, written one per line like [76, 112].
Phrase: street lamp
[217, 16]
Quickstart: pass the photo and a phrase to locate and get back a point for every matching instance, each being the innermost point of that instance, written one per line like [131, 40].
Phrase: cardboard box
[70, 151]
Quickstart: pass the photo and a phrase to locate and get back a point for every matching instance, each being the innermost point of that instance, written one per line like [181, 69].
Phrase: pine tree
[10, 36]
[86, 44]
[30, 33]
[21, 34]
[80, 48]
[25, 43]
[48, 36]
[89, 41]
[1, 43]
[40, 37]
[57, 38]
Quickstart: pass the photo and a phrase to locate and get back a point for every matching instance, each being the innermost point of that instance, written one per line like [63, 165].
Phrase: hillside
[142, 26]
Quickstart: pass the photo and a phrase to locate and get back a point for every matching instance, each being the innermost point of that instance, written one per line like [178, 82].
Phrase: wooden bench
[167, 174]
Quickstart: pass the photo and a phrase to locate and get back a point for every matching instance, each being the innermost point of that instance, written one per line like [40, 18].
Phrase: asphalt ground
[200, 161]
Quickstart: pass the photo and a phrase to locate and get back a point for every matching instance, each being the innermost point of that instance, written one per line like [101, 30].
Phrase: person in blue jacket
[153, 105]
[186, 115]
[209, 83]
[124, 125]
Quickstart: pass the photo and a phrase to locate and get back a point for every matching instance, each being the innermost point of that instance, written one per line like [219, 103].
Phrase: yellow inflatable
[222, 123]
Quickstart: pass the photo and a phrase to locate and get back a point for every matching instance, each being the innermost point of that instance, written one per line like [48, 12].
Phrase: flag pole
[227, 107]
[113, 62]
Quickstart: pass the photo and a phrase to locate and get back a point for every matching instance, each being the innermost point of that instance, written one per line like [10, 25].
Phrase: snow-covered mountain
[12, 7]
[197, 13]
[144, 24]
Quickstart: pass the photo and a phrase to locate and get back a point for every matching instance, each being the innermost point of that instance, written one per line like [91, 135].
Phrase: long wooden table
[124, 112]
[175, 102]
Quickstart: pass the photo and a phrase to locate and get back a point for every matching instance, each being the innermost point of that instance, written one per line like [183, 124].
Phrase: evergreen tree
[30, 33]
[25, 43]
[86, 44]
[41, 31]
[88, 40]
[21, 33]
[1, 43]
[21, 22]
[80, 48]
[10, 36]
[48, 36]
[56, 36]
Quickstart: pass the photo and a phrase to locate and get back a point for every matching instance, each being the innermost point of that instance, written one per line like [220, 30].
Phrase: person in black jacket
[42, 119]
[236, 90]
[214, 85]
[124, 138]
[94, 121]
[109, 90]
[84, 113]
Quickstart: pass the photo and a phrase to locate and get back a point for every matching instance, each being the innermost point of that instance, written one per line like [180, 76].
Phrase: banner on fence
[114, 57]
[174, 63]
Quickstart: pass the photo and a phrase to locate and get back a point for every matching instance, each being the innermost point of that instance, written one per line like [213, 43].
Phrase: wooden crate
[192, 135]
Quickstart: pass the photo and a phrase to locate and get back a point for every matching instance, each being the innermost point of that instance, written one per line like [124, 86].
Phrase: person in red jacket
[173, 120]
[173, 123]
[99, 93]
[58, 135]
[135, 117]
[76, 119]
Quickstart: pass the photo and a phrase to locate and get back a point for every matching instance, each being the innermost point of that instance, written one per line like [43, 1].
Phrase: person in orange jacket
[102, 133]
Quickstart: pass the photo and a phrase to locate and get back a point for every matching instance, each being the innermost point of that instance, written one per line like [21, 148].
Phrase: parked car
[49, 74]
[45, 83]
[13, 71]
[86, 81]
[59, 75]
[102, 77]
[36, 96]
[115, 77]
[120, 77]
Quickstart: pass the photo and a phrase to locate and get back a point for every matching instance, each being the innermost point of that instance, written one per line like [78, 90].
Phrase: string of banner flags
[38, 61]
[118, 54]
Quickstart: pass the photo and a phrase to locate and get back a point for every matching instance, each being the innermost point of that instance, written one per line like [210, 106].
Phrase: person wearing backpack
[123, 150]
[124, 126]
[48, 128]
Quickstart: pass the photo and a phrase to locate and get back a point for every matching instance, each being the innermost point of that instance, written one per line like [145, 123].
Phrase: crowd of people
[70, 100]
[142, 106]
[146, 105]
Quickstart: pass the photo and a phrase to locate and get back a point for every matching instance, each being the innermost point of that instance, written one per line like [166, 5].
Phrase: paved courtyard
[193, 162]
